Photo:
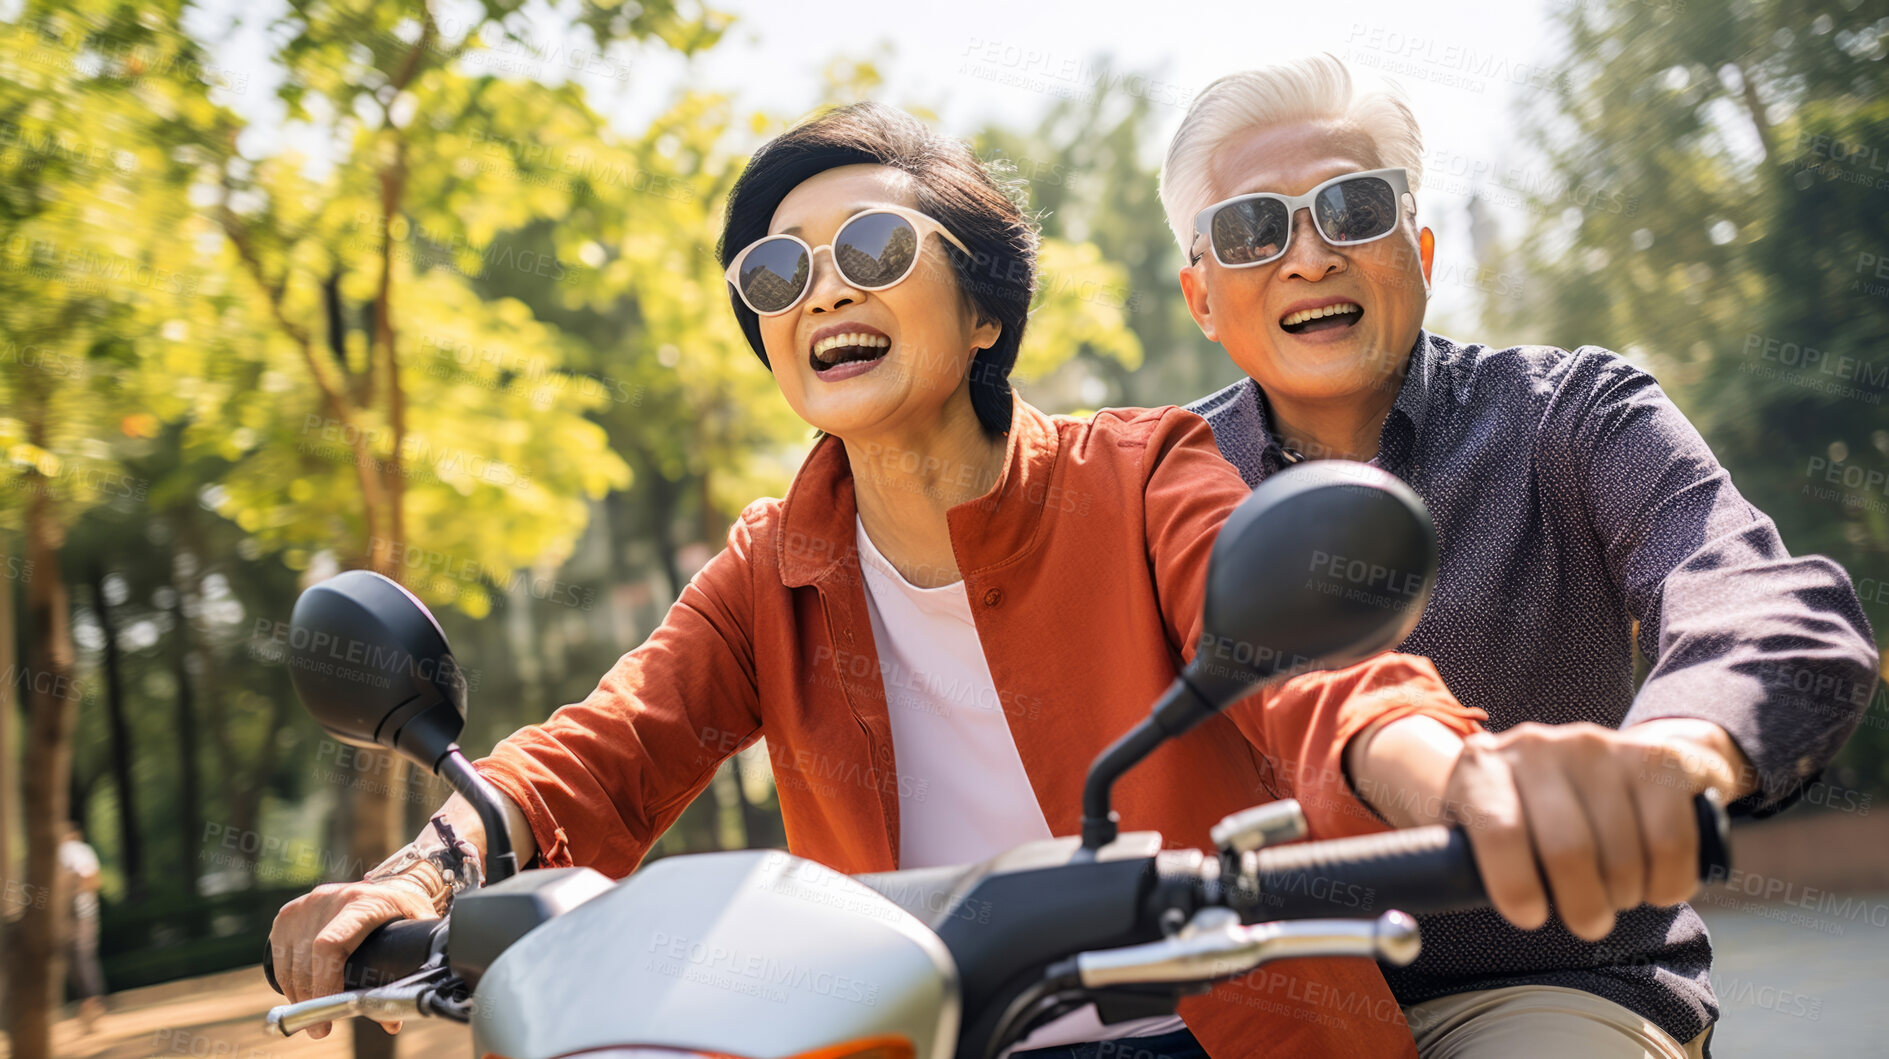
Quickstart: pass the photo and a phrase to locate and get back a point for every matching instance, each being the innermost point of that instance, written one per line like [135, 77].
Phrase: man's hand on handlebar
[314, 934]
[1599, 819]
[1606, 814]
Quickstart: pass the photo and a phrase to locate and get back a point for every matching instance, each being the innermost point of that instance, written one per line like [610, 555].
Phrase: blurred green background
[327, 284]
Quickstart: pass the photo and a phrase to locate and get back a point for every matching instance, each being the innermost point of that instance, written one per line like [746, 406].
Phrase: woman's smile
[843, 351]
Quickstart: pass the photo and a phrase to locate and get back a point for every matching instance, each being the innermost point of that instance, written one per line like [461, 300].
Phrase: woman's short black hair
[999, 276]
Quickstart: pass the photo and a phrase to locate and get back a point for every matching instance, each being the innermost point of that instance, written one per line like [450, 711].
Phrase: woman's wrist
[466, 822]
[1401, 769]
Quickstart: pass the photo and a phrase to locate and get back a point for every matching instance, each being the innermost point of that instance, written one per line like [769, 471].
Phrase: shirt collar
[1397, 441]
[818, 532]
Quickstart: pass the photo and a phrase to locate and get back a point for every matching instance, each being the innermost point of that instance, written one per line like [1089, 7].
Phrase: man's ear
[1426, 253]
[1194, 289]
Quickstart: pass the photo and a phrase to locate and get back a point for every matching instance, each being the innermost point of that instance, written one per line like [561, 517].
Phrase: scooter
[760, 954]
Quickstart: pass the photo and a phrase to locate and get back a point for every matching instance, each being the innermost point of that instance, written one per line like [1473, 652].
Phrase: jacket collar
[817, 539]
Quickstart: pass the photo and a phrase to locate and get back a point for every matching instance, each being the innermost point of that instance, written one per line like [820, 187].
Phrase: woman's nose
[830, 289]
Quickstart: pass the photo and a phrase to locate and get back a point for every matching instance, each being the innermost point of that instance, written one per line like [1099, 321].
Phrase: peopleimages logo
[757, 968]
[350, 658]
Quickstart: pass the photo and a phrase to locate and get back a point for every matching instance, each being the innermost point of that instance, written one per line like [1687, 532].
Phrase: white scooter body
[756, 953]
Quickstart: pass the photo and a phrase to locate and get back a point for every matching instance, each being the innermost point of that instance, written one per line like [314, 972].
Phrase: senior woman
[958, 604]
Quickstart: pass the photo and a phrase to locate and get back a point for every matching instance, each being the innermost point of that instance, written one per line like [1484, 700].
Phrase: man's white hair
[1318, 87]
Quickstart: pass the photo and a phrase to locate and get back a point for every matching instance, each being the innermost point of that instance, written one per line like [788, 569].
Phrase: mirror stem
[1179, 710]
[488, 803]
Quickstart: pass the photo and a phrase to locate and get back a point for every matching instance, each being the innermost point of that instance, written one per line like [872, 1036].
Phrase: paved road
[1800, 979]
[219, 1016]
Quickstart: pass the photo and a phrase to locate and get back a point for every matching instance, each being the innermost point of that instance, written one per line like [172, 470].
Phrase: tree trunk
[245, 798]
[9, 891]
[190, 811]
[130, 839]
[663, 496]
[378, 819]
[754, 829]
[31, 955]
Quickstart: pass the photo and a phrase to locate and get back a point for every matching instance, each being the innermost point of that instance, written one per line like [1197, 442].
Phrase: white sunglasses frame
[1398, 178]
[924, 224]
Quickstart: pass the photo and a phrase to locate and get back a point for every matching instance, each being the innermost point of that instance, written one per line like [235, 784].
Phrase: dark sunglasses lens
[774, 274]
[1247, 232]
[876, 250]
[1353, 210]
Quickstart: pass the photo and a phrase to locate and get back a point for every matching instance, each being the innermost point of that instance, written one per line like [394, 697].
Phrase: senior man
[1572, 500]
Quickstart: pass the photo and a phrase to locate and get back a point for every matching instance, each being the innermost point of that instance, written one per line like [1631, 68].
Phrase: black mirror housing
[1323, 566]
[372, 666]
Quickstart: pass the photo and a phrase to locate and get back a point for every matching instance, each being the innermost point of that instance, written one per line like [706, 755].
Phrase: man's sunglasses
[1249, 230]
[875, 249]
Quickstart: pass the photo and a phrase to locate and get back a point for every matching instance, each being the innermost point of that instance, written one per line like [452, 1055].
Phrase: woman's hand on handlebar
[314, 934]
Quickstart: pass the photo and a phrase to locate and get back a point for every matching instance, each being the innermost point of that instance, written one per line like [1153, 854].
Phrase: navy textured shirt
[1571, 499]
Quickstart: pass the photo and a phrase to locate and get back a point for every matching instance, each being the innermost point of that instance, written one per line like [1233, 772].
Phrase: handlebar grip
[392, 952]
[1418, 870]
[268, 967]
[1421, 870]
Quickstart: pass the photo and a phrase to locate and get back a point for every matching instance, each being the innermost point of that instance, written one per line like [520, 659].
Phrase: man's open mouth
[1324, 318]
[854, 346]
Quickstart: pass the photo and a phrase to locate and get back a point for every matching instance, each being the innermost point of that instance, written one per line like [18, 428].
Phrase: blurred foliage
[199, 323]
[1089, 171]
[1715, 207]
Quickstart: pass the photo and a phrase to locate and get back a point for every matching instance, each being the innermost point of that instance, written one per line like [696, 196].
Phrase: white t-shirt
[77, 858]
[963, 794]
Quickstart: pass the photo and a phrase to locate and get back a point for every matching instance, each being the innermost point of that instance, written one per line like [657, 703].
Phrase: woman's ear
[985, 334]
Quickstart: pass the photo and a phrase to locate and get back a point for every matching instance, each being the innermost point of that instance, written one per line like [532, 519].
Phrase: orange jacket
[1084, 565]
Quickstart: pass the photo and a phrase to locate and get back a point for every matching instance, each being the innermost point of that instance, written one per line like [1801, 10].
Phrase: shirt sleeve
[602, 779]
[1774, 649]
[1299, 727]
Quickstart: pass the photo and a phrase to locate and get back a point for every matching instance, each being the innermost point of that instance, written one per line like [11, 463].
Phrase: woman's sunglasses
[1249, 230]
[875, 249]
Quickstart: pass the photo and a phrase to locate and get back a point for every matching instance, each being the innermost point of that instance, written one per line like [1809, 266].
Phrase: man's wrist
[1712, 738]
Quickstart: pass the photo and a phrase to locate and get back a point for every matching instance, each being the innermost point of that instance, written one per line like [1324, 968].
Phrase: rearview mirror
[1323, 566]
[370, 663]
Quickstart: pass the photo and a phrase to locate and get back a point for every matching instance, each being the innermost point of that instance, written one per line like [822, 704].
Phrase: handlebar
[392, 952]
[1420, 870]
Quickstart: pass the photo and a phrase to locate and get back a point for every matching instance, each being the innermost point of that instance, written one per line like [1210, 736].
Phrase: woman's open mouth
[1324, 318]
[848, 350]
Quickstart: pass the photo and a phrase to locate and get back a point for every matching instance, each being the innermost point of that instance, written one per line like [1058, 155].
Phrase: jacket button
[993, 597]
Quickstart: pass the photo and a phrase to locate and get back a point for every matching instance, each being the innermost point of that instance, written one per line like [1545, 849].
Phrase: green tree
[372, 444]
[83, 299]
[1714, 203]
[1090, 170]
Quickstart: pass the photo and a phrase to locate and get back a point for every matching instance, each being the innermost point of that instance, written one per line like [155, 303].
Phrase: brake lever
[432, 991]
[1215, 945]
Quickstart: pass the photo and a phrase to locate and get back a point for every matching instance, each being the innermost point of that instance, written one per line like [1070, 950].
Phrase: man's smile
[1330, 314]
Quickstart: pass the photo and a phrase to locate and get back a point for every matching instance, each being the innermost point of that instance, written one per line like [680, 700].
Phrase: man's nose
[1309, 256]
[830, 289]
